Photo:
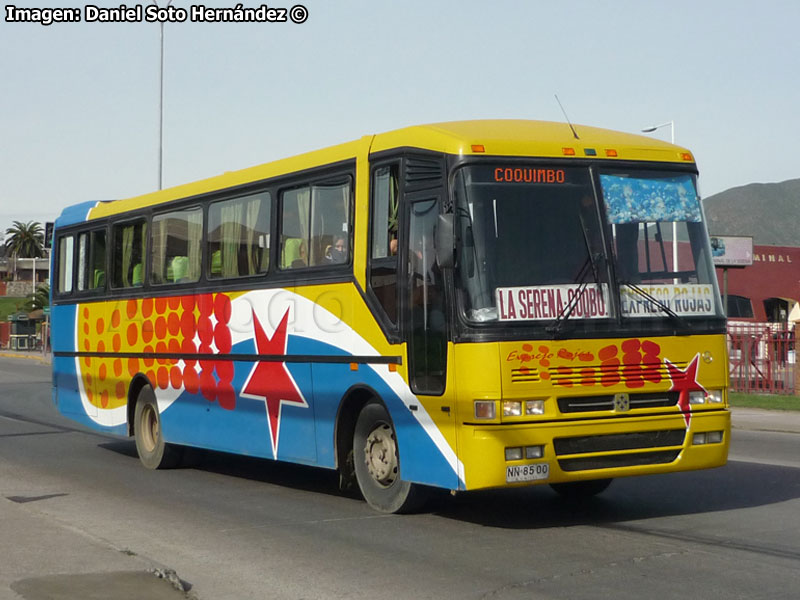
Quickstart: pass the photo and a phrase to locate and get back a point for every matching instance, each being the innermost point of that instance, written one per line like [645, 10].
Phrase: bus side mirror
[445, 241]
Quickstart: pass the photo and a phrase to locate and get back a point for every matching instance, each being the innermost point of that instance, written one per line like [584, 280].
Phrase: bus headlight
[710, 437]
[534, 451]
[512, 408]
[485, 409]
[698, 397]
[703, 397]
[534, 407]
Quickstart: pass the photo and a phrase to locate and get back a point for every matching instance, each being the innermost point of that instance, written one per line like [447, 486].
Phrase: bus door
[425, 330]
[426, 323]
[406, 294]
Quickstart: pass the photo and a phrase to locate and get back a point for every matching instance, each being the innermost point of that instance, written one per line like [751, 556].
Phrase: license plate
[534, 472]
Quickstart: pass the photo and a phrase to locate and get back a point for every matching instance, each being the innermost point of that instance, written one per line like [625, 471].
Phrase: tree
[25, 240]
[38, 300]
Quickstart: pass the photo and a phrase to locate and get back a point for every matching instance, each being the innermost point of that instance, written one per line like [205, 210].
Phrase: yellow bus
[463, 305]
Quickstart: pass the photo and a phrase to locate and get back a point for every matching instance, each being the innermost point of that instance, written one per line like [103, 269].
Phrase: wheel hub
[149, 428]
[380, 453]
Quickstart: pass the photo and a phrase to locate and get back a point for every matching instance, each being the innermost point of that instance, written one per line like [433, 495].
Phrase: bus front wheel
[153, 451]
[377, 463]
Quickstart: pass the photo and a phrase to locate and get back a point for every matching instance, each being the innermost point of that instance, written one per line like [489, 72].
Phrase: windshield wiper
[566, 311]
[675, 317]
[589, 265]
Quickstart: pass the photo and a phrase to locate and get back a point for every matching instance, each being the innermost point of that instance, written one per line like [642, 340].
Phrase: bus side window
[330, 223]
[295, 211]
[315, 225]
[175, 247]
[66, 256]
[238, 236]
[92, 260]
[383, 243]
[130, 240]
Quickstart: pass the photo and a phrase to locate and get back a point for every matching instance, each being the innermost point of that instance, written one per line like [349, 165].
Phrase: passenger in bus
[302, 259]
[337, 252]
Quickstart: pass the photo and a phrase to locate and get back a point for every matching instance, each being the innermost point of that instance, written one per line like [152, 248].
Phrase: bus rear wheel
[153, 451]
[377, 464]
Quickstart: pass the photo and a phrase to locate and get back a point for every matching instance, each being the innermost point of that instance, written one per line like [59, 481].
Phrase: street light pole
[651, 129]
[161, 104]
[670, 124]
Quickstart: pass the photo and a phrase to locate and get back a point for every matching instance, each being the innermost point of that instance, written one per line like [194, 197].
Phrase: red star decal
[684, 382]
[271, 380]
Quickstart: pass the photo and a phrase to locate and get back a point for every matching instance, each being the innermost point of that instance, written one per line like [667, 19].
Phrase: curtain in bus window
[159, 251]
[345, 226]
[264, 231]
[636, 200]
[127, 254]
[231, 214]
[195, 238]
[303, 211]
[251, 217]
[137, 276]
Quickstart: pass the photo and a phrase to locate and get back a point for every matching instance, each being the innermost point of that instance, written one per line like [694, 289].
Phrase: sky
[79, 102]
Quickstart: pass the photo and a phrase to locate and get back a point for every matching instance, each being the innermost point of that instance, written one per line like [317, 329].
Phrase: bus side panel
[241, 424]
[197, 418]
[72, 388]
[275, 408]
[421, 460]
[66, 390]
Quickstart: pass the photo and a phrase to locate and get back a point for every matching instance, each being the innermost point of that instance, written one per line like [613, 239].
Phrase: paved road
[78, 515]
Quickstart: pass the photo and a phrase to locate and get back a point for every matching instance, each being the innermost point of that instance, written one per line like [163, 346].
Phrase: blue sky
[79, 101]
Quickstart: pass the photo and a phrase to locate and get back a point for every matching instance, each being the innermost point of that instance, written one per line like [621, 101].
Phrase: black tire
[153, 451]
[581, 490]
[377, 464]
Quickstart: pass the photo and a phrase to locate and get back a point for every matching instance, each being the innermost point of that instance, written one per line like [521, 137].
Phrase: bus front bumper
[557, 451]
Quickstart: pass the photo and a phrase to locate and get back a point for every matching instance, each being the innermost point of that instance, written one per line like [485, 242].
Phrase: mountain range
[769, 212]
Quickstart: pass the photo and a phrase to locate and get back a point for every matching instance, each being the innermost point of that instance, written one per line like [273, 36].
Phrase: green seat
[99, 279]
[138, 274]
[179, 267]
[291, 252]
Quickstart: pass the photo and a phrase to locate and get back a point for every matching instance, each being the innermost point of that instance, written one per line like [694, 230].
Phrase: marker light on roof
[687, 156]
[611, 153]
[478, 148]
[568, 151]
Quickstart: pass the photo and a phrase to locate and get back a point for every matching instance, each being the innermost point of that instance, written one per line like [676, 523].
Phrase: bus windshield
[645, 212]
[531, 245]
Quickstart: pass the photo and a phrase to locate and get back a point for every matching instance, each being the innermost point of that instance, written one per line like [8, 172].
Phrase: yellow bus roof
[512, 137]
[499, 137]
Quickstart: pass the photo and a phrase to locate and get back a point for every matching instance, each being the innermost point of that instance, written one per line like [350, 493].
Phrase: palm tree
[40, 299]
[25, 240]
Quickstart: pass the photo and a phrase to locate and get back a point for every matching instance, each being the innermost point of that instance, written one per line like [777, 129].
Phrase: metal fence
[762, 357]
